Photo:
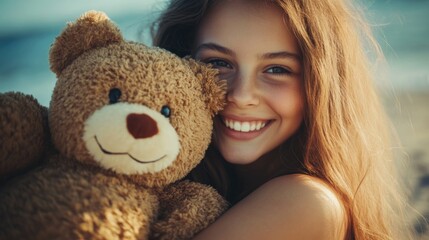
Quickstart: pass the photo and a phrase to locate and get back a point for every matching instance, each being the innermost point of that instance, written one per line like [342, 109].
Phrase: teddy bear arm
[186, 209]
[24, 133]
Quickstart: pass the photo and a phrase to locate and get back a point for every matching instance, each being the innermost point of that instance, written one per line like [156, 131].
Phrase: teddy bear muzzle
[131, 139]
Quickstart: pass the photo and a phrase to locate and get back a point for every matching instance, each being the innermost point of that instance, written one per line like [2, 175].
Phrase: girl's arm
[288, 207]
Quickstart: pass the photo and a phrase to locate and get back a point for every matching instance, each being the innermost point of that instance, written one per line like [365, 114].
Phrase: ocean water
[402, 29]
[26, 33]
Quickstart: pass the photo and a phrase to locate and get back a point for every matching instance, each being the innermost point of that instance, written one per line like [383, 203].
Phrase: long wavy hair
[347, 135]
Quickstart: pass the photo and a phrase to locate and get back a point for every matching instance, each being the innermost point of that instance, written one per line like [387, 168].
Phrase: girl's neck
[246, 178]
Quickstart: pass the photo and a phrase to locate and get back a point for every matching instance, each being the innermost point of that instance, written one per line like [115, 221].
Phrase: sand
[409, 113]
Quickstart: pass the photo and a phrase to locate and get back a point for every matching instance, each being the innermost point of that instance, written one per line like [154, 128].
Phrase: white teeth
[237, 126]
[244, 126]
[252, 126]
[258, 125]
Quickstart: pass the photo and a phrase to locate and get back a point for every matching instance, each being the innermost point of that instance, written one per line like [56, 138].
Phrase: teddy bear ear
[214, 89]
[93, 29]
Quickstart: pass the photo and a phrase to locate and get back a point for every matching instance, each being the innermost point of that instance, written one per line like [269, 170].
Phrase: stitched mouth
[125, 153]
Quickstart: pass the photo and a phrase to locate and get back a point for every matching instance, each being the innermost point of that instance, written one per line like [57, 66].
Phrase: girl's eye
[278, 70]
[218, 63]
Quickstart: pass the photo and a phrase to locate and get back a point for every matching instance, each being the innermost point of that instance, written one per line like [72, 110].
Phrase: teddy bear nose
[141, 126]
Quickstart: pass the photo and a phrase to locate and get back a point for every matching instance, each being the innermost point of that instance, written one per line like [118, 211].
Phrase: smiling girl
[301, 149]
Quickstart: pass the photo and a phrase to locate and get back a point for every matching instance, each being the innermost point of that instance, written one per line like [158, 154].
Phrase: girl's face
[255, 51]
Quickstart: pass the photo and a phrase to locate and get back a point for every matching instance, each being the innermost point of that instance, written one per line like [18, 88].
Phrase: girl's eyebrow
[215, 47]
[282, 54]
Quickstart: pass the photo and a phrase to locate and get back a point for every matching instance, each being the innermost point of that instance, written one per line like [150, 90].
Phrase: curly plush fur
[23, 133]
[126, 122]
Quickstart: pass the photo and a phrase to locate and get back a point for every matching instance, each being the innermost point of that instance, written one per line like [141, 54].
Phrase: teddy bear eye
[166, 111]
[114, 95]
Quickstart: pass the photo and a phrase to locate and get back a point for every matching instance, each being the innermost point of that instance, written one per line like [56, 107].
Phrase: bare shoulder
[307, 203]
[288, 207]
[311, 195]
[307, 189]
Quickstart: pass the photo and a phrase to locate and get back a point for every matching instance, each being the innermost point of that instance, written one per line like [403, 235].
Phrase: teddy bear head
[134, 110]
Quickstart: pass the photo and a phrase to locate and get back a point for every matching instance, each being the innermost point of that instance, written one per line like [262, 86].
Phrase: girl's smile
[243, 129]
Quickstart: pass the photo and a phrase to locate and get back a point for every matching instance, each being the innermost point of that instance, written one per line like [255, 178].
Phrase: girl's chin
[238, 152]
[240, 159]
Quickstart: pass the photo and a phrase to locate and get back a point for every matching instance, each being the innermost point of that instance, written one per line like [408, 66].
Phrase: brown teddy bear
[126, 122]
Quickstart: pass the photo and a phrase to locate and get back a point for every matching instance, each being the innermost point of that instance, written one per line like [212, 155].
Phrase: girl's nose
[242, 91]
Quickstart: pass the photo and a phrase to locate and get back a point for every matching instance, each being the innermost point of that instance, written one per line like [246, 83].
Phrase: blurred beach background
[27, 29]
